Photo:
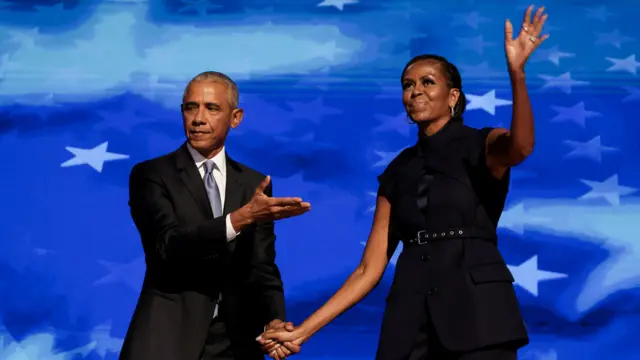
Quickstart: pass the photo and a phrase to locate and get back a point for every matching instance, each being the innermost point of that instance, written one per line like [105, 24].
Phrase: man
[206, 224]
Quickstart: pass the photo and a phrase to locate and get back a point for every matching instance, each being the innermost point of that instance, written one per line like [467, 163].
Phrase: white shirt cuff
[231, 232]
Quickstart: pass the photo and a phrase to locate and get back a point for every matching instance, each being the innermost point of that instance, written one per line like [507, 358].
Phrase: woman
[452, 296]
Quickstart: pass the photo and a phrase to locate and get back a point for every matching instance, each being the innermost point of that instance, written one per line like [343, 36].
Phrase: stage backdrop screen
[88, 88]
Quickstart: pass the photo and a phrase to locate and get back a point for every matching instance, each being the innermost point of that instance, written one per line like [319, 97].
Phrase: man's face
[207, 116]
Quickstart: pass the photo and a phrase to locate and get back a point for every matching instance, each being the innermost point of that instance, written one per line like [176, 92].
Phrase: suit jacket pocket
[488, 273]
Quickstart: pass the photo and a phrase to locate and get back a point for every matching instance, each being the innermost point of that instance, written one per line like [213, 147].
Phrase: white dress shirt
[220, 176]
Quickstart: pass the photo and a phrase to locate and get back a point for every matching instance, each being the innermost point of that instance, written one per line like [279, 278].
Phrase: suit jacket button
[433, 291]
[426, 257]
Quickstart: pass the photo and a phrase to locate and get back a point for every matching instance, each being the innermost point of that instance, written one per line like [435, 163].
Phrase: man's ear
[236, 117]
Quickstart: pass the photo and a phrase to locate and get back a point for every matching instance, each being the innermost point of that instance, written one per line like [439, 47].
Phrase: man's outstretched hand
[265, 208]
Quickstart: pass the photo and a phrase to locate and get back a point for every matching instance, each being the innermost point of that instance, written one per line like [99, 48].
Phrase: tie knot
[209, 165]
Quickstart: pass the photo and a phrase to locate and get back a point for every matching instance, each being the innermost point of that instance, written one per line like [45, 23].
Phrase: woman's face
[425, 92]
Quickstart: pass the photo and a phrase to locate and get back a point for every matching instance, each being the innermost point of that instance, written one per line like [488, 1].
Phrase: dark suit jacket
[189, 262]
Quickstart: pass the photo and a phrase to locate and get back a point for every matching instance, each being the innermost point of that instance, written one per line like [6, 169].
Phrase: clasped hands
[281, 339]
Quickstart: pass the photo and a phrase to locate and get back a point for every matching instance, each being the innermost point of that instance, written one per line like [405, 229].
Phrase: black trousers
[218, 345]
[427, 346]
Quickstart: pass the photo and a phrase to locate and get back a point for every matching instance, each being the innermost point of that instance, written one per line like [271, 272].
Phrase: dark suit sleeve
[162, 235]
[265, 275]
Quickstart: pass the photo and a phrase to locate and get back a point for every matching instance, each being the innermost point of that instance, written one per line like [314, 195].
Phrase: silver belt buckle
[419, 237]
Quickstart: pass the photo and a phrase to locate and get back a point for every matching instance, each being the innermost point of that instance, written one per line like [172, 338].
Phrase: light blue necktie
[216, 203]
[212, 188]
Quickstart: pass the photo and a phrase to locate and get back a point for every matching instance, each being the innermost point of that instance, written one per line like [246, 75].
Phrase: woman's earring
[452, 111]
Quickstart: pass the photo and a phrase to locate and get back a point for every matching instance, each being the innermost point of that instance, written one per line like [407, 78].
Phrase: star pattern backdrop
[89, 88]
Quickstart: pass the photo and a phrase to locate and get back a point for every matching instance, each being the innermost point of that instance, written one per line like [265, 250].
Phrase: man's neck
[208, 154]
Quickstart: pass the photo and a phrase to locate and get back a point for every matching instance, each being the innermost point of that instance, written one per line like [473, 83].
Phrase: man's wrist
[241, 218]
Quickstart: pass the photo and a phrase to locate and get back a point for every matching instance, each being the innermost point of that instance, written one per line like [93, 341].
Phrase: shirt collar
[219, 159]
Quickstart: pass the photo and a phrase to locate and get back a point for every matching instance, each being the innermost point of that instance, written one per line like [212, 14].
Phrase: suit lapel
[193, 181]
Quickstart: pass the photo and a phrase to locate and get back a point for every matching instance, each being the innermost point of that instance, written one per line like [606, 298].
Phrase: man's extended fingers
[285, 201]
[301, 207]
[279, 213]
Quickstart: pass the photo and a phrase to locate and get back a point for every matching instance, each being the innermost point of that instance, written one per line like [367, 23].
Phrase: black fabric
[462, 284]
[218, 345]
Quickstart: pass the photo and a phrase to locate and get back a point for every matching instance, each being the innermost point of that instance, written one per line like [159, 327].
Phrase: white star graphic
[613, 38]
[514, 219]
[476, 44]
[529, 276]
[40, 345]
[486, 102]
[130, 274]
[547, 355]
[386, 157]
[553, 55]
[591, 149]
[577, 114]
[372, 208]
[313, 111]
[94, 157]
[151, 85]
[599, 13]
[338, 4]
[610, 228]
[328, 50]
[562, 82]
[628, 64]
[481, 71]
[398, 123]
[609, 189]
[473, 19]
[104, 342]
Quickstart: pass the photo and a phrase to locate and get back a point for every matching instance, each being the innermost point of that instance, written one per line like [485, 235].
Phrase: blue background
[88, 88]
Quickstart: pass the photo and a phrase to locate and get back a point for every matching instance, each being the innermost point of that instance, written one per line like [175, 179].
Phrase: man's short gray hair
[214, 76]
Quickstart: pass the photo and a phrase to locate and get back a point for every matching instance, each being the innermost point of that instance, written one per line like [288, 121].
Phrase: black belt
[429, 236]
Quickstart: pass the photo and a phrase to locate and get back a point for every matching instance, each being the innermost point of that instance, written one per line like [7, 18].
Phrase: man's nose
[197, 120]
[198, 116]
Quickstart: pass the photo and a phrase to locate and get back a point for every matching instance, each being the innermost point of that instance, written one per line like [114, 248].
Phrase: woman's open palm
[519, 49]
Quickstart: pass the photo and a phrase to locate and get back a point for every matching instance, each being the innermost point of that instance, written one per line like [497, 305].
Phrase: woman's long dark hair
[453, 80]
